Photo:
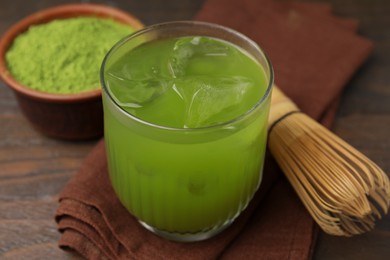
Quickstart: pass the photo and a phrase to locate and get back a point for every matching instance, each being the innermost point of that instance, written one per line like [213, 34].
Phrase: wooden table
[34, 169]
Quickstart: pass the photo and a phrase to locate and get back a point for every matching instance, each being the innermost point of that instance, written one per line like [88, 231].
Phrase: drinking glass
[185, 184]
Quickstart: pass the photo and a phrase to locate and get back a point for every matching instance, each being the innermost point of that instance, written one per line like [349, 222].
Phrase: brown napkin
[314, 54]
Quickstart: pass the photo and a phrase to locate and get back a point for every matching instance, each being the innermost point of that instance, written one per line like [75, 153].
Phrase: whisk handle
[281, 107]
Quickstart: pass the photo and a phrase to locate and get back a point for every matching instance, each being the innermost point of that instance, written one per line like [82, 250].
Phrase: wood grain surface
[34, 168]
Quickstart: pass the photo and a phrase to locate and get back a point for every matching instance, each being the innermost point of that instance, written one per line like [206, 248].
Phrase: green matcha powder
[64, 56]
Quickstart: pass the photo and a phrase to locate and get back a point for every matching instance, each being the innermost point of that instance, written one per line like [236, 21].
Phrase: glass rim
[154, 27]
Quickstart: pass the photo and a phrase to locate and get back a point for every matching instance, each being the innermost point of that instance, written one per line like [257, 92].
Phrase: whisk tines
[343, 190]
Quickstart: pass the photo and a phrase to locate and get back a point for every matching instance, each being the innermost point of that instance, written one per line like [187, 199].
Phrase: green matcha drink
[185, 126]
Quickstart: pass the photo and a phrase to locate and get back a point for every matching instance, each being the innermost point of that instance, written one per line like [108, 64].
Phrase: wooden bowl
[76, 116]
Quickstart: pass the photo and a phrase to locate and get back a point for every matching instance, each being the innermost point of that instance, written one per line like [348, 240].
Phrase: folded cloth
[314, 54]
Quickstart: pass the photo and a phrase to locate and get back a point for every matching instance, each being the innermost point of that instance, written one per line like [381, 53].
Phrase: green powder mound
[64, 56]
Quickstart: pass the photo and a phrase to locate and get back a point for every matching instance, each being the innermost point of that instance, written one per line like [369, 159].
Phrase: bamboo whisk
[343, 190]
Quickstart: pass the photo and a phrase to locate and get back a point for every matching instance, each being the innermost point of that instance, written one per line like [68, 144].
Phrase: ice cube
[190, 54]
[212, 100]
[190, 46]
[134, 93]
[181, 53]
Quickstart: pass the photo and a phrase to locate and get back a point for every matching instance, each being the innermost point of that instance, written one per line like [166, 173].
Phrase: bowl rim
[48, 14]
